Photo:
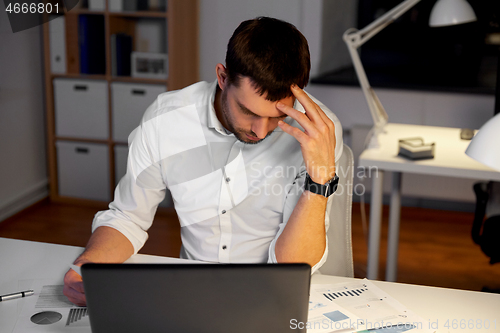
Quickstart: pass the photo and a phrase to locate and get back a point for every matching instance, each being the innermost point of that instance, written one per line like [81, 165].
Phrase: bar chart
[347, 293]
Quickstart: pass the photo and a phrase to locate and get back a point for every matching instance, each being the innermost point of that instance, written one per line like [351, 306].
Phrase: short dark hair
[272, 53]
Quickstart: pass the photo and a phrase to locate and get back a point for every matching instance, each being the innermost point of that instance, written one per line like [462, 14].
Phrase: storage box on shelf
[129, 101]
[91, 112]
[83, 170]
[81, 108]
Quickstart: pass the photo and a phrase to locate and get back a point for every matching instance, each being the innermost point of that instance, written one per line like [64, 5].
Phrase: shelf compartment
[81, 108]
[83, 170]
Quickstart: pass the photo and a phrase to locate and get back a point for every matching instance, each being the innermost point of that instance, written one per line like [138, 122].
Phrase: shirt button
[224, 247]
[228, 179]
[223, 212]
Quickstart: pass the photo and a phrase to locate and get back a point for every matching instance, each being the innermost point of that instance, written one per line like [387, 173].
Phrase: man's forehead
[247, 97]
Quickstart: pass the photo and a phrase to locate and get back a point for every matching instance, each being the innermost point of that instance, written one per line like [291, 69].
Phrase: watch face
[334, 180]
[333, 185]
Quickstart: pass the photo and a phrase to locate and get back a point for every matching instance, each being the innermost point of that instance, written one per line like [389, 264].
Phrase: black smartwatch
[325, 190]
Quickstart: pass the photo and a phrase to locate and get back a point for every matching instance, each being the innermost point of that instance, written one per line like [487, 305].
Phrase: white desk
[24, 260]
[450, 160]
[31, 260]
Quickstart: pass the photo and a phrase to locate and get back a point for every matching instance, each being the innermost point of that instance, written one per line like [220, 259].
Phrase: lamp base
[371, 141]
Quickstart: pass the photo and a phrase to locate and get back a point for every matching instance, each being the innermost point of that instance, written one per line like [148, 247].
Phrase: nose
[261, 127]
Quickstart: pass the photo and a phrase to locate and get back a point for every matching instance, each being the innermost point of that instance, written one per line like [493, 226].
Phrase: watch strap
[322, 189]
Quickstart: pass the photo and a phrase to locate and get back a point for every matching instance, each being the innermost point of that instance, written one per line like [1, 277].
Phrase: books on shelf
[129, 5]
[115, 5]
[98, 5]
[121, 50]
[137, 5]
[57, 42]
[142, 5]
[91, 42]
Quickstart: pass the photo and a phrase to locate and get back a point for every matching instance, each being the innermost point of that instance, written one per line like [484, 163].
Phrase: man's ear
[222, 79]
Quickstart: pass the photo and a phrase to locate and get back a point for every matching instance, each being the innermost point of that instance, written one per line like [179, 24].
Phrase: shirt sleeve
[138, 193]
[297, 189]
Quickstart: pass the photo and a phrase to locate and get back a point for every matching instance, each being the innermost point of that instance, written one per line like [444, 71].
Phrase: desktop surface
[453, 310]
[449, 158]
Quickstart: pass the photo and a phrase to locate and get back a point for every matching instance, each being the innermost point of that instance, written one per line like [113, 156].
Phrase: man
[245, 158]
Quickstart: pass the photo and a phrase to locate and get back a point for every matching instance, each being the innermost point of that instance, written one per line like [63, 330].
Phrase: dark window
[409, 54]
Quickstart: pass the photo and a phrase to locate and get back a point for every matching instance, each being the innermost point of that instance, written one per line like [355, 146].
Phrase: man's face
[247, 114]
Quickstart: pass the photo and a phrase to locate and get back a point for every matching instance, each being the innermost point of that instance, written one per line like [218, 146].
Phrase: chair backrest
[339, 210]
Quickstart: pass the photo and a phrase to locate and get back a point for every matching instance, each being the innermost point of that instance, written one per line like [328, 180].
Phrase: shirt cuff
[272, 256]
[134, 234]
[320, 263]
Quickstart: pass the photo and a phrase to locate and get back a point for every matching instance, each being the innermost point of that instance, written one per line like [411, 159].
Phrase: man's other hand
[73, 288]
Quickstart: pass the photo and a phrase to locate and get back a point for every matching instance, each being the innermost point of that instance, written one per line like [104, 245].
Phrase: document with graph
[359, 307]
[48, 310]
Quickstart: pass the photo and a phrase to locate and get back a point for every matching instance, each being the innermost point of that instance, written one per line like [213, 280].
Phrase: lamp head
[484, 146]
[451, 12]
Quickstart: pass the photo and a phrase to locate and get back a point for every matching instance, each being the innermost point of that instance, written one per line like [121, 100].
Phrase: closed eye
[246, 111]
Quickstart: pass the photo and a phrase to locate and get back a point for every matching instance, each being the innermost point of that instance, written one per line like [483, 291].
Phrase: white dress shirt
[233, 199]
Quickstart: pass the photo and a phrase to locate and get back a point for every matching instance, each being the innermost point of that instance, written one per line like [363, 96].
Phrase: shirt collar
[213, 122]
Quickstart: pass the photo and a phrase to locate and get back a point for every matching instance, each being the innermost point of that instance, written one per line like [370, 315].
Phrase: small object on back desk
[466, 134]
[416, 149]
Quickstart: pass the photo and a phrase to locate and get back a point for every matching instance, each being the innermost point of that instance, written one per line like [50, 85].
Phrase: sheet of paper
[326, 316]
[369, 308]
[77, 269]
[48, 310]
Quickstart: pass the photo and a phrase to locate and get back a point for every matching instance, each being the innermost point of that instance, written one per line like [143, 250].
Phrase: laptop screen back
[196, 298]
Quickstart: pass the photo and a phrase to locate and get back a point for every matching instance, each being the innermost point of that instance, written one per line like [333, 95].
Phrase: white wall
[23, 171]
[407, 106]
[219, 18]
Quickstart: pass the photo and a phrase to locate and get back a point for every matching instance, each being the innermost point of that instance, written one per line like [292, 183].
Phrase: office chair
[339, 210]
[486, 232]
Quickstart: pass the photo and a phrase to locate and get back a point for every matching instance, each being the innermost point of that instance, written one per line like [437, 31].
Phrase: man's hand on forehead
[317, 141]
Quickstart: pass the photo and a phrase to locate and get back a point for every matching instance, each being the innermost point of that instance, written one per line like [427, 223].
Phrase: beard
[239, 133]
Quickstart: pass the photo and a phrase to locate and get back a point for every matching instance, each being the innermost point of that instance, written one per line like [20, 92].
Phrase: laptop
[196, 298]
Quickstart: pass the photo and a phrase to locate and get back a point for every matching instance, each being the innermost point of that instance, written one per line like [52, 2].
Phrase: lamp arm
[378, 113]
[354, 39]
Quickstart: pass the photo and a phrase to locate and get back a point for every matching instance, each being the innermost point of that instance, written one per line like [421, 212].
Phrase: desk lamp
[485, 147]
[444, 13]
